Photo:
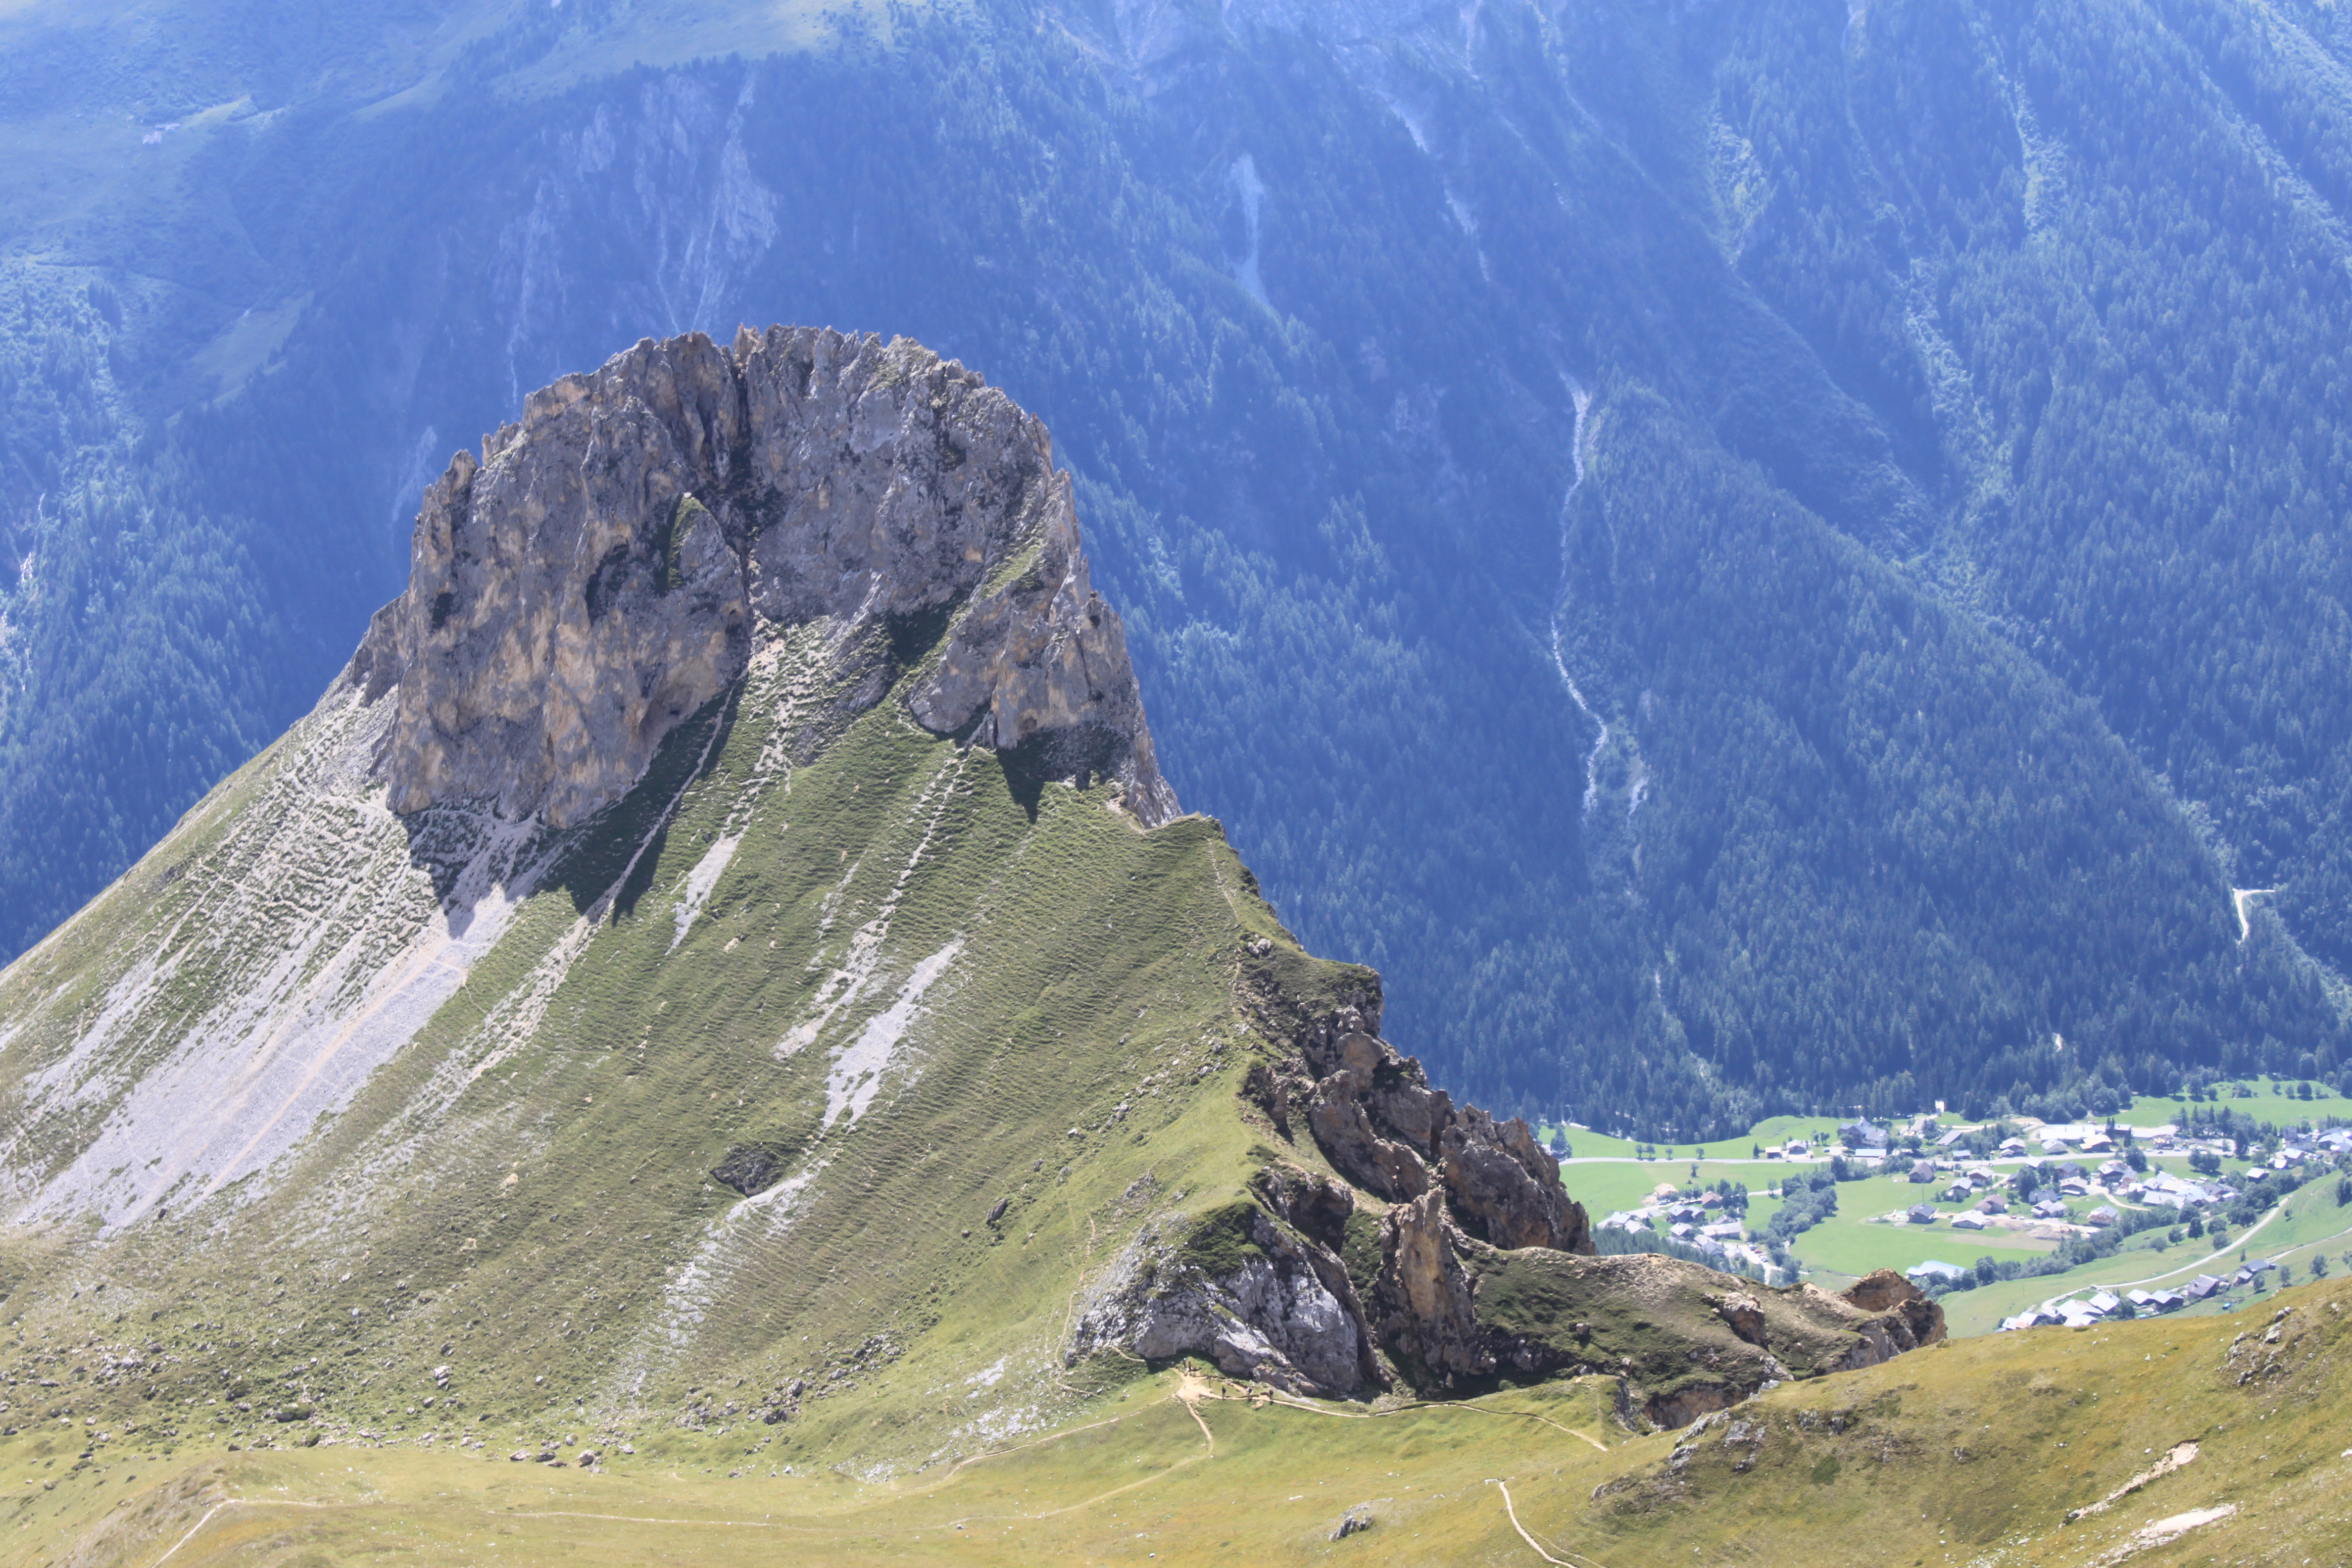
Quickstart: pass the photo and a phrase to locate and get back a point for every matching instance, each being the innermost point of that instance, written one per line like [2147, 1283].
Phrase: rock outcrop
[1426, 1301]
[1504, 1189]
[1903, 1317]
[1039, 666]
[1351, 1138]
[1315, 1205]
[1381, 1124]
[1683, 1340]
[1486, 1267]
[1743, 1314]
[1239, 1289]
[607, 566]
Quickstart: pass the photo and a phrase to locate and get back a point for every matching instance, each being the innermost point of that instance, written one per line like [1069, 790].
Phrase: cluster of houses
[2041, 1197]
[2334, 1140]
[1869, 1143]
[2052, 1163]
[1699, 1221]
[2206, 1285]
[2098, 1307]
[2102, 1306]
[2059, 1158]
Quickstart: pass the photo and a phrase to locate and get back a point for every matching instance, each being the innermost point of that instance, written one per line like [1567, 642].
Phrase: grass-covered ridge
[977, 1049]
[980, 1036]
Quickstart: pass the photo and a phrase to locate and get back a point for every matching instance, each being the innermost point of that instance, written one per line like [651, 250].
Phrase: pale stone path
[2241, 900]
[1535, 1546]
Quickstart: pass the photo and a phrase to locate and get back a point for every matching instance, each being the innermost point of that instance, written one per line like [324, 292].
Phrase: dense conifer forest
[1750, 557]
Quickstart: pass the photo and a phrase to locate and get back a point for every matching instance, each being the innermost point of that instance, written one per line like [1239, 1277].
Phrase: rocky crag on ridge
[1438, 1249]
[608, 565]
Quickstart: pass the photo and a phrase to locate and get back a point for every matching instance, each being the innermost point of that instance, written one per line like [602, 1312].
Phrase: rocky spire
[609, 564]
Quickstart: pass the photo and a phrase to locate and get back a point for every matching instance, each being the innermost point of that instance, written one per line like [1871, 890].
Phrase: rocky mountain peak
[613, 561]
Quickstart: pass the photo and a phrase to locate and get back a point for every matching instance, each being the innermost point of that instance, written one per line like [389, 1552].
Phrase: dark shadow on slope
[623, 842]
[914, 634]
[1085, 754]
[444, 840]
[453, 841]
[767, 1153]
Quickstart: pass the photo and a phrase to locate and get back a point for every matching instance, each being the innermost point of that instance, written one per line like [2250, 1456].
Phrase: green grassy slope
[1971, 1453]
[522, 1194]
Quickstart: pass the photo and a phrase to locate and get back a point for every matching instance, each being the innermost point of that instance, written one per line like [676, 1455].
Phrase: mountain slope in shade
[1756, 559]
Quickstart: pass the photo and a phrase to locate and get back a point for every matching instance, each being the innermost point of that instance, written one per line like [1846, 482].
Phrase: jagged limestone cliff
[610, 565]
[721, 968]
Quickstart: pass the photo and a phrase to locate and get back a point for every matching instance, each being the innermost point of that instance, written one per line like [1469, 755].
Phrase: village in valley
[2193, 1203]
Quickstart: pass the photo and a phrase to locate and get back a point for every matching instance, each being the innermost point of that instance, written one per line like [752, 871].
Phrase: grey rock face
[1505, 1189]
[1428, 1312]
[1396, 1093]
[1381, 1124]
[1375, 1115]
[1275, 1319]
[1041, 663]
[1352, 1142]
[608, 565]
[1282, 1328]
[1317, 1207]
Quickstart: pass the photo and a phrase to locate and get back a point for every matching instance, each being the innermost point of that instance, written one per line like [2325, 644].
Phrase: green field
[2310, 1222]
[1855, 1241]
[1847, 1244]
[1851, 1246]
[1972, 1451]
[1604, 1188]
[1586, 1144]
[2266, 1102]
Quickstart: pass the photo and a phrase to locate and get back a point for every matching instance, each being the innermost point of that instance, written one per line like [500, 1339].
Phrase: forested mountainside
[1747, 555]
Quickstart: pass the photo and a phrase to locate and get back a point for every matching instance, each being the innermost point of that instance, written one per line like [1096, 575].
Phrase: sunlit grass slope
[982, 1031]
[1971, 1453]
